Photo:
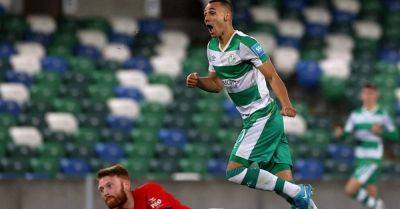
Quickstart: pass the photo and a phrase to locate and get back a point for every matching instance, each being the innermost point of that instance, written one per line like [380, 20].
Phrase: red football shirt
[153, 196]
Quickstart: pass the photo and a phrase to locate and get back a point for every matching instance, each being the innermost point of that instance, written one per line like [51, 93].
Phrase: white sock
[291, 189]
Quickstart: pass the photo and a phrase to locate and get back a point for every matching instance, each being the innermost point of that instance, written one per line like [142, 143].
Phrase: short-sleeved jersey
[360, 122]
[236, 65]
[153, 196]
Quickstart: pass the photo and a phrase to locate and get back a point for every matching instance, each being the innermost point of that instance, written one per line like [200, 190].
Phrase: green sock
[365, 199]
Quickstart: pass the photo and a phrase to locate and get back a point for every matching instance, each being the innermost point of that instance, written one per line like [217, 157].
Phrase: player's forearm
[280, 90]
[209, 84]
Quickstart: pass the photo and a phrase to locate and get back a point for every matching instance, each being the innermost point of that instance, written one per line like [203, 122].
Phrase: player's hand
[376, 129]
[338, 132]
[288, 111]
[192, 80]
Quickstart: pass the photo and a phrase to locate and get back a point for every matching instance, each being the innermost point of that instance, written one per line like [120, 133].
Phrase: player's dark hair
[226, 3]
[115, 170]
[369, 85]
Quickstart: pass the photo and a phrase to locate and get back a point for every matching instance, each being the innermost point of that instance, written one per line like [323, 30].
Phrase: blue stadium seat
[308, 169]
[74, 167]
[230, 109]
[119, 123]
[294, 5]
[397, 108]
[343, 16]
[36, 176]
[242, 15]
[340, 152]
[390, 55]
[289, 41]
[109, 151]
[54, 64]
[151, 26]
[6, 50]
[316, 30]
[87, 51]
[392, 5]
[120, 39]
[38, 37]
[19, 77]
[128, 92]
[11, 107]
[140, 63]
[308, 73]
[173, 137]
[217, 166]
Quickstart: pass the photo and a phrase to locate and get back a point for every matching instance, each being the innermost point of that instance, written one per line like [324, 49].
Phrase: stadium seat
[116, 52]
[26, 63]
[30, 49]
[266, 40]
[309, 169]
[19, 77]
[308, 73]
[61, 121]
[87, 51]
[92, 38]
[74, 167]
[6, 50]
[51, 150]
[193, 165]
[285, 59]
[172, 137]
[295, 126]
[137, 167]
[132, 78]
[42, 24]
[14, 92]
[45, 166]
[110, 152]
[54, 64]
[139, 63]
[124, 25]
[216, 167]
[120, 123]
[158, 93]
[139, 149]
[124, 107]
[28, 136]
[10, 107]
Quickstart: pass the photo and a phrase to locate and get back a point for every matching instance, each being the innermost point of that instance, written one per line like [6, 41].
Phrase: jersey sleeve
[390, 131]
[156, 197]
[251, 50]
[210, 67]
[349, 127]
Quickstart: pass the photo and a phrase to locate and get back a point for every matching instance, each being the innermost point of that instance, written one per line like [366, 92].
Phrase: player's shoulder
[213, 44]
[149, 186]
[245, 39]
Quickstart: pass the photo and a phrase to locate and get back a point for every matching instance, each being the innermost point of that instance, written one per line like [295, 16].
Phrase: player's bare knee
[349, 190]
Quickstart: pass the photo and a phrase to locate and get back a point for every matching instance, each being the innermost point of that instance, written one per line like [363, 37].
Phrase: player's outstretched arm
[210, 83]
[277, 85]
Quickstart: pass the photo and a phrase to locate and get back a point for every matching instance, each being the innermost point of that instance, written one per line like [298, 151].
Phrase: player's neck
[129, 204]
[370, 107]
[226, 36]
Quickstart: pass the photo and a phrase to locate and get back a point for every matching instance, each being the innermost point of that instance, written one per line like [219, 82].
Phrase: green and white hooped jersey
[360, 122]
[236, 65]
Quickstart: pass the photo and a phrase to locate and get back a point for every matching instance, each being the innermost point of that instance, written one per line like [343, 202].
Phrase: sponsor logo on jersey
[230, 83]
[155, 203]
[258, 50]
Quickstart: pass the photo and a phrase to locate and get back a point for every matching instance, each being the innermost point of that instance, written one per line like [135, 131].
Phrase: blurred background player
[239, 63]
[370, 124]
[114, 186]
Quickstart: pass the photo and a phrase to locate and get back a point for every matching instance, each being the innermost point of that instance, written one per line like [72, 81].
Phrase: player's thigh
[352, 186]
[372, 190]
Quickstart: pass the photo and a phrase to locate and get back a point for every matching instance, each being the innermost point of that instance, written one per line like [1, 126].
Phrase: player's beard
[117, 201]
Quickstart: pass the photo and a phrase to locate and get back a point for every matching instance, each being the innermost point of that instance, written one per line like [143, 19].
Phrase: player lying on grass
[239, 64]
[114, 186]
